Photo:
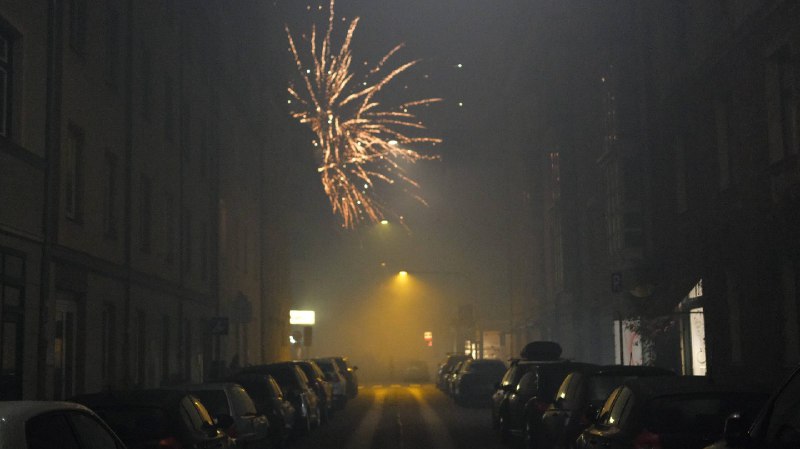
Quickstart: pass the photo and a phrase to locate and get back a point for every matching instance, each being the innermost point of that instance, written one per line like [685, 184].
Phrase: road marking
[365, 433]
[437, 429]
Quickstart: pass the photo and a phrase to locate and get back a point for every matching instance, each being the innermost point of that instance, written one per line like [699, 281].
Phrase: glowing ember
[358, 142]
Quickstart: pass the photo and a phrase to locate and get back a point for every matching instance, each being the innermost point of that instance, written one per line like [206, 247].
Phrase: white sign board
[301, 317]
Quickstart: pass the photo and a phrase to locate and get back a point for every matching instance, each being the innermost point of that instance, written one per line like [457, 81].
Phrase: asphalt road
[404, 416]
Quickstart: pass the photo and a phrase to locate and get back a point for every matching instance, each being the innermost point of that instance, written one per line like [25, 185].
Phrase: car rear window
[135, 423]
[492, 369]
[50, 431]
[215, 401]
[242, 402]
[286, 377]
[705, 413]
[599, 387]
[550, 378]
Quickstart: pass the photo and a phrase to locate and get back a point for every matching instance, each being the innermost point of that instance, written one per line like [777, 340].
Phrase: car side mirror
[592, 414]
[223, 421]
[735, 432]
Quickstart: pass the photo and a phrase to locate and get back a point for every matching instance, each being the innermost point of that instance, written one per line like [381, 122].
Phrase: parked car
[686, 412]
[416, 371]
[323, 389]
[450, 378]
[776, 425]
[53, 425]
[271, 402]
[337, 381]
[250, 429]
[349, 374]
[446, 366]
[475, 381]
[159, 418]
[525, 392]
[577, 401]
[294, 384]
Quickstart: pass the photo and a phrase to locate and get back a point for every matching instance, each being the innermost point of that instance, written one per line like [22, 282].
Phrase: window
[186, 129]
[169, 228]
[12, 307]
[166, 332]
[169, 109]
[91, 433]
[681, 201]
[203, 251]
[614, 213]
[6, 77]
[145, 214]
[140, 347]
[77, 26]
[782, 106]
[112, 47]
[72, 163]
[187, 350]
[555, 175]
[65, 346]
[186, 241]
[557, 248]
[50, 430]
[621, 405]
[108, 344]
[723, 151]
[147, 81]
[110, 200]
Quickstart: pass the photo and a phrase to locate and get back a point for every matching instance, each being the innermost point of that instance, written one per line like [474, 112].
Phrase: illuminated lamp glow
[403, 273]
[384, 222]
[303, 317]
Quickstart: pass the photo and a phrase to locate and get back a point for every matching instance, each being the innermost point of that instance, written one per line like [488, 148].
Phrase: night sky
[458, 241]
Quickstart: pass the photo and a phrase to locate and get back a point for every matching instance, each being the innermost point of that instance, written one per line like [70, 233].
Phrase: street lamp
[462, 322]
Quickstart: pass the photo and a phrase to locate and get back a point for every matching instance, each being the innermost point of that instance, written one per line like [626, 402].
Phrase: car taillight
[647, 440]
[170, 443]
[540, 406]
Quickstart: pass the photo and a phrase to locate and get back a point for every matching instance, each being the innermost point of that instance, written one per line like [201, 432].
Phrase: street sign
[303, 317]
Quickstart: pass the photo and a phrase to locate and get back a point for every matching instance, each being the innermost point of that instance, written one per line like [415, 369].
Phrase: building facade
[662, 145]
[138, 139]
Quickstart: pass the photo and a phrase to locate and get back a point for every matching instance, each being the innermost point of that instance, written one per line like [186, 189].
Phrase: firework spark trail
[358, 143]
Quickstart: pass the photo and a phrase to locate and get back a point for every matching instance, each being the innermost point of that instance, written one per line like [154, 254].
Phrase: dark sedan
[577, 401]
[294, 384]
[682, 412]
[349, 373]
[323, 388]
[270, 401]
[159, 419]
[475, 381]
[525, 392]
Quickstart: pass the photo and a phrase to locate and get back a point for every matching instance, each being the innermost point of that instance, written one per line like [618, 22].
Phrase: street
[402, 416]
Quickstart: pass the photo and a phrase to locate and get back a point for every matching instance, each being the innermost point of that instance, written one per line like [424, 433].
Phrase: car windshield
[135, 423]
[493, 369]
[697, 413]
[215, 401]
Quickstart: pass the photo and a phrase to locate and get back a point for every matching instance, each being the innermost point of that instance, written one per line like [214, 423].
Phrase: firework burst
[358, 143]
